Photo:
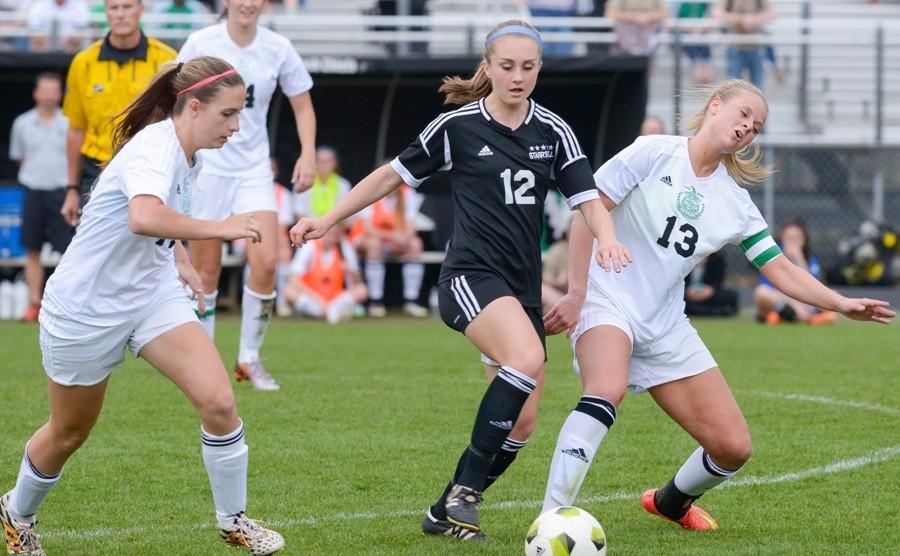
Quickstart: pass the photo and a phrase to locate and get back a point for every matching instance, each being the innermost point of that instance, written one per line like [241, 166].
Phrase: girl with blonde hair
[674, 200]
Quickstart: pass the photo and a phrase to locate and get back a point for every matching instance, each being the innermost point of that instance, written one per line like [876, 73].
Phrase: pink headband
[205, 82]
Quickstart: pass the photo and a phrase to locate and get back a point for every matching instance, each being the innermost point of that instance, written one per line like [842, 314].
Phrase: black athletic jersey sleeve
[430, 152]
[572, 171]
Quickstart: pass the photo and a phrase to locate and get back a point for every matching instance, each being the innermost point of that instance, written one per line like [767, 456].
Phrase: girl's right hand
[564, 314]
[240, 226]
[308, 228]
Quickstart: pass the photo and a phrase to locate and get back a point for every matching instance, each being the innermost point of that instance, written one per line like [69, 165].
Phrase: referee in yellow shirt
[103, 79]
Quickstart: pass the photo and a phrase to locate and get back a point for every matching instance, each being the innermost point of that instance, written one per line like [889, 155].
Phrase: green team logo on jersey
[690, 203]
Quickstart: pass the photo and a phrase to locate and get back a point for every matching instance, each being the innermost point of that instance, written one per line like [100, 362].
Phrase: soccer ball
[565, 531]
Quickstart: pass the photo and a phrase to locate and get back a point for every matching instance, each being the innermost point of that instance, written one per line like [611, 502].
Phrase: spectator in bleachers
[179, 8]
[325, 280]
[745, 17]
[700, 55]
[55, 25]
[329, 187]
[38, 144]
[704, 290]
[637, 24]
[653, 125]
[556, 8]
[388, 229]
[773, 307]
[102, 81]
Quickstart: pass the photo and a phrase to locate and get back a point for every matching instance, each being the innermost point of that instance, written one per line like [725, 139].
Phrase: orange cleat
[696, 519]
[772, 317]
[824, 317]
[31, 313]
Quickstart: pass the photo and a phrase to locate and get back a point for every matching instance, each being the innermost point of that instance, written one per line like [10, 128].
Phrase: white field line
[830, 401]
[839, 466]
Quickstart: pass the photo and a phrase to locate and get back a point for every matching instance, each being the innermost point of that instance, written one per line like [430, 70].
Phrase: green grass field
[371, 418]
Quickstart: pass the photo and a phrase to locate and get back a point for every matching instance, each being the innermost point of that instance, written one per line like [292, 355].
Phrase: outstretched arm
[799, 284]
[611, 253]
[373, 187]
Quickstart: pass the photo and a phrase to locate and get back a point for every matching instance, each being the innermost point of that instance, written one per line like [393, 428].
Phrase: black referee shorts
[42, 222]
[463, 296]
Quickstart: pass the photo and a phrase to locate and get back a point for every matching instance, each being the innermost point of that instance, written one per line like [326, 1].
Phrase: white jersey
[109, 273]
[271, 60]
[669, 219]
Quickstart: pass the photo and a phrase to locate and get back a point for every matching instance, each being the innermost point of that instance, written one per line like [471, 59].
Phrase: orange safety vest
[326, 281]
[382, 218]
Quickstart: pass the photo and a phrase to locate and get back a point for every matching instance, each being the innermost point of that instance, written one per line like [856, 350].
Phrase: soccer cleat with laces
[20, 538]
[443, 528]
[696, 519]
[256, 374]
[462, 507]
[249, 534]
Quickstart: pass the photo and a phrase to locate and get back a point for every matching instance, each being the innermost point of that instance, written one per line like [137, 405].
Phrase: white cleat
[20, 538]
[249, 534]
[254, 372]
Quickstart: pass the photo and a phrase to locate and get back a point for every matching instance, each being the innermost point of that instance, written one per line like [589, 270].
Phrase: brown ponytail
[746, 165]
[160, 99]
[461, 91]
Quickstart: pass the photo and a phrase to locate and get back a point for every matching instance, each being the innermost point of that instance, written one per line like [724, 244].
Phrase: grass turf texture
[372, 416]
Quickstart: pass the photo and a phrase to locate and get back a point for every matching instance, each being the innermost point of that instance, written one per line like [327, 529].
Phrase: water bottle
[21, 299]
[6, 300]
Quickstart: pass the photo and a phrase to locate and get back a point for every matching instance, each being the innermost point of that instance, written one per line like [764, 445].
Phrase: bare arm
[373, 187]
[74, 141]
[305, 117]
[611, 254]
[148, 216]
[799, 284]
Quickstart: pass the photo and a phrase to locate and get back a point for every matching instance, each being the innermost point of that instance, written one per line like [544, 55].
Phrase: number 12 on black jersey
[525, 181]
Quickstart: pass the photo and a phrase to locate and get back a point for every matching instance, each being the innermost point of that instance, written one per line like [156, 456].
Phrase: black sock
[439, 508]
[671, 502]
[503, 460]
[499, 410]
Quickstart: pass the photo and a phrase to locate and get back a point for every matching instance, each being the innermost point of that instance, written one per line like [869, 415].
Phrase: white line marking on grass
[839, 466]
[830, 401]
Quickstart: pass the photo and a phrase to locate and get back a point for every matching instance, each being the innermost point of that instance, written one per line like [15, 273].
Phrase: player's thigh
[172, 340]
[75, 409]
[703, 405]
[504, 332]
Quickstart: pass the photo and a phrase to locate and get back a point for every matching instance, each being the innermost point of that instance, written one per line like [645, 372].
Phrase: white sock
[578, 441]
[309, 306]
[225, 458]
[31, 488]
[412, 280]
[375, 280]
[208, 318]
[699, 474]
[256, 314]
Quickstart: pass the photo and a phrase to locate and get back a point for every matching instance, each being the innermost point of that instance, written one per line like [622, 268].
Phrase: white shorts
[218, 197]
[677, 354]
[79, 354]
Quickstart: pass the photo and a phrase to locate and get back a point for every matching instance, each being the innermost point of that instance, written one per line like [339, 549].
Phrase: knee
[732, 451]
[529, 361]
[218, 410]
[265, 263]
[209, 276]
[70, 437]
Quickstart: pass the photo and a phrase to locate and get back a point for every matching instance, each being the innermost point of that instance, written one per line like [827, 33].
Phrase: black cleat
[443, 528]
[462, 507]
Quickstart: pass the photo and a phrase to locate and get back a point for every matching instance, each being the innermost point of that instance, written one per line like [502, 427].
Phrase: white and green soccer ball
[565, 531]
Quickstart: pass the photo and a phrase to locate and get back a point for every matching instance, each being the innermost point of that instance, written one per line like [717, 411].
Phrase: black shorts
[461, 298]
[90, 171]
[42, 222]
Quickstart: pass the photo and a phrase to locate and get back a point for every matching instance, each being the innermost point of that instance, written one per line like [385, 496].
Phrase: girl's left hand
[304, 171]
[866, 309]
[189, 278]
[612, 254]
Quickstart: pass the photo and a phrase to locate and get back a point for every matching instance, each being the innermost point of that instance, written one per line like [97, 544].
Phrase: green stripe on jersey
[754, 239]
[766, 256]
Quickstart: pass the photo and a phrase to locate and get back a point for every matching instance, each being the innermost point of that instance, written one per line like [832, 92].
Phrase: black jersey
[499, 179]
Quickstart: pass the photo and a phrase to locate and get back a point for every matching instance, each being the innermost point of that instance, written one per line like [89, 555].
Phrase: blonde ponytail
[745, 166]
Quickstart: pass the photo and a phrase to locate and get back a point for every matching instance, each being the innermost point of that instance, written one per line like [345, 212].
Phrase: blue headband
[513, 30]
